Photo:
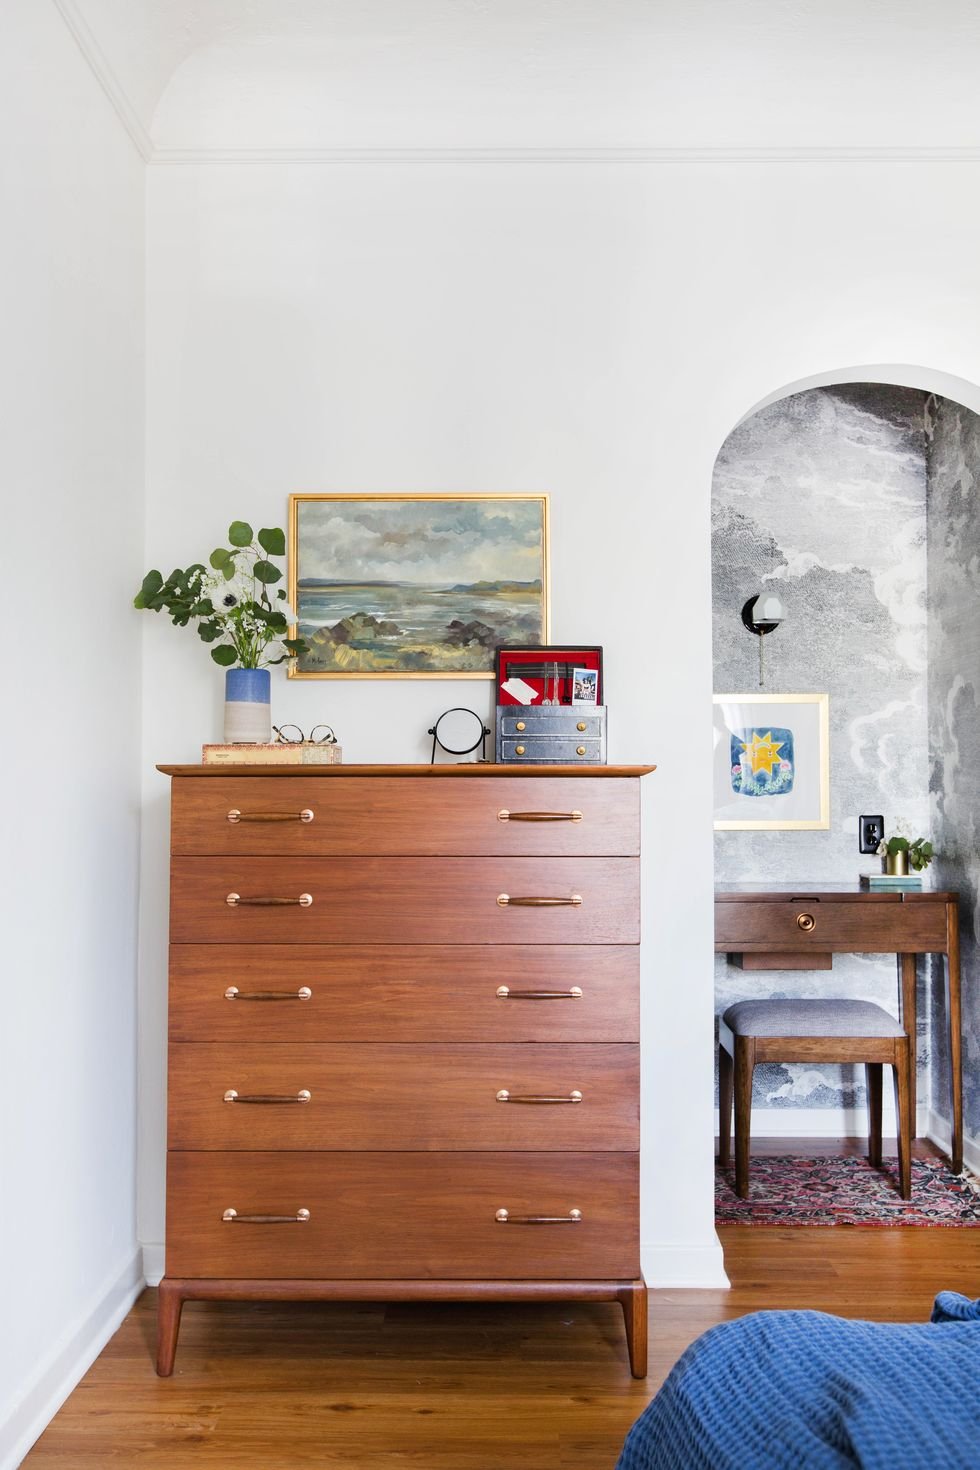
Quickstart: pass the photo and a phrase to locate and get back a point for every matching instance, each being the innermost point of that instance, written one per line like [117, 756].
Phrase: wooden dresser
[404, 1027]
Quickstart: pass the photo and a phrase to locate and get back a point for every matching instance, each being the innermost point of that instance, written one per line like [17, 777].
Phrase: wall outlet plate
[870, 832]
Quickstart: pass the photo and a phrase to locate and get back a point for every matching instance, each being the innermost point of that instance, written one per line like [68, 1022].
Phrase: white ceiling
[311, 76]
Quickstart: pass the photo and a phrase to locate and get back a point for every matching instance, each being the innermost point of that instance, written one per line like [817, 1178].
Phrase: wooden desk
[799, 926]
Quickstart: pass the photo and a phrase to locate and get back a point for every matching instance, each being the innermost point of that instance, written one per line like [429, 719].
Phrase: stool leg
[874, 1071]
[744, 1067]
[903, 1110]
[726, 1087]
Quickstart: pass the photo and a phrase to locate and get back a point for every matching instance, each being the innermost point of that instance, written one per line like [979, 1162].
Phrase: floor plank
[456, 1387]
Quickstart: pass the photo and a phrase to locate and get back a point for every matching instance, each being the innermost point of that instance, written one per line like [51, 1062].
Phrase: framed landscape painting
[416, 586]
[772, 762]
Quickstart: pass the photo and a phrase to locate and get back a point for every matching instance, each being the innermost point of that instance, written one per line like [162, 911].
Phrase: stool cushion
[810, 1018]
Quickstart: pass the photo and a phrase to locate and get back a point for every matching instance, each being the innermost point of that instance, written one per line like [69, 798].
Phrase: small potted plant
[241, 613]
[901, 854]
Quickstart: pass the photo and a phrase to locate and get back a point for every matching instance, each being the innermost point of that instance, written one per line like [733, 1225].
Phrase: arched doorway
[857, 496]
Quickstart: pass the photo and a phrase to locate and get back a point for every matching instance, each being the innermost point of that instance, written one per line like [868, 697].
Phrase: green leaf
[281, 594]
[224, 655]
[273, 541]
[240, 533]
[219, 556]
[202, 609]
[209, 631]
[927, 849]
[296, 646]
[151, 585]
[276, 621]
[228, 570]
[266, 572]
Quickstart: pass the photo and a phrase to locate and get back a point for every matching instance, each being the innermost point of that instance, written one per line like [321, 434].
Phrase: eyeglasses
[293, 735]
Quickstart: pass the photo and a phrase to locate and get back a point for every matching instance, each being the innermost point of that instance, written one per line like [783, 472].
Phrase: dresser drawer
[383, 1096]
[404, 900]
[873, 926]
[404, 992]
[421, 816]
[391, 1215]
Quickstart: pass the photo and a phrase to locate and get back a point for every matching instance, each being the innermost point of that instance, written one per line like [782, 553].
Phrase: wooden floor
[469, 1387]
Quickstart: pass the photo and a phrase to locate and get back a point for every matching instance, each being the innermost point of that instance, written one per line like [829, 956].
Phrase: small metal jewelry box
[569, 735]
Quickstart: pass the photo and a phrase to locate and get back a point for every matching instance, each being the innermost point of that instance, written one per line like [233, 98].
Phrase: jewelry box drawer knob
[806, 922]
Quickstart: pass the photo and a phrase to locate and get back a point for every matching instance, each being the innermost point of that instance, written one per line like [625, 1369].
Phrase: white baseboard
[153, 1261]
[68, 1361]
[697, 1266]
[938, 1130]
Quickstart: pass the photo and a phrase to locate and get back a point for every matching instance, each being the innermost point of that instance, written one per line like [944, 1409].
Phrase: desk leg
[907, 973]
[955, 1033]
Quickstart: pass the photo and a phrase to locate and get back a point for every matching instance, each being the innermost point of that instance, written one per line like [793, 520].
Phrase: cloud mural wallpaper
[823, 496]
[860, 504]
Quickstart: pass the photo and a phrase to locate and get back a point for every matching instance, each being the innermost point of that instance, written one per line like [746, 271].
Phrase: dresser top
[470, 769]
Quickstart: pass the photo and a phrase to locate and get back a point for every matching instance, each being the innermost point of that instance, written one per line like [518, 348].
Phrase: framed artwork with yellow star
[772, 762]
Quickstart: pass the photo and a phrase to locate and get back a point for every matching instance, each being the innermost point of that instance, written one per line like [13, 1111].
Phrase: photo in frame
[416, 586]
[771, 767]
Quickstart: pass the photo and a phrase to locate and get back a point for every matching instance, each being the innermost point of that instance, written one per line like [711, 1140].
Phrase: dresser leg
[169, 1304]
[633, 1300]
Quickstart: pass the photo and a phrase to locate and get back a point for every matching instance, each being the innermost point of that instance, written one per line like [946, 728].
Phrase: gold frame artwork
[819, 823]
[295, 501]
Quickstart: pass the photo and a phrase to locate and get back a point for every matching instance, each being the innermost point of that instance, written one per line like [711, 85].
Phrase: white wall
[592, 329]
[71, 470]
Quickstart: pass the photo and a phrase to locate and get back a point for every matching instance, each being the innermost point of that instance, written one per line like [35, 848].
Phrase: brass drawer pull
[233, 993]
[504, 1217]
[235, 816]
[536, 1097]
[303, 1096]
[504, 992]
[506, 816]
[506, 902]
[235, 900]
[806, 922]
[232, 1217]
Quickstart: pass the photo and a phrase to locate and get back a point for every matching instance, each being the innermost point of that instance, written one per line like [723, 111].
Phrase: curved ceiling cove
[405, 75]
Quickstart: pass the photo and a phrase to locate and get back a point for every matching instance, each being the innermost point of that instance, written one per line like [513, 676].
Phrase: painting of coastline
[422, 586]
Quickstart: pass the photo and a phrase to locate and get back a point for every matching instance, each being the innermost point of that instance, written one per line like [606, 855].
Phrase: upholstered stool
[812, 1031]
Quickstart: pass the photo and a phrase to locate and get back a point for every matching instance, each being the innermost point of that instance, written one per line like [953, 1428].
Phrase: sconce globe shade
[768, 608]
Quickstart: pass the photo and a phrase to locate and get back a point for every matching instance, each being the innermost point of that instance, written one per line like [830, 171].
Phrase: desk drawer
[394, 992]
[404, 900]
[879, 925]
[322, 816]
[378, 1096]
[391, 1215]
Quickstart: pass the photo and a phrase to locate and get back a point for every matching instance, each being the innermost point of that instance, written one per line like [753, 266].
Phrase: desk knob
[806, 922]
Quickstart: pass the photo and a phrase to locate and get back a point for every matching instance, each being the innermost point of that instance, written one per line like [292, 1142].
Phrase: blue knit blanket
[806, 1391]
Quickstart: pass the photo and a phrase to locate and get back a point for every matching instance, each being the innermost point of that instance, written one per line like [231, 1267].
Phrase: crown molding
[179, 156]
[106, 77]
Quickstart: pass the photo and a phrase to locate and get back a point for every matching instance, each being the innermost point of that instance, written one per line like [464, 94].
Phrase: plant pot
[248, 706]
[897, 864]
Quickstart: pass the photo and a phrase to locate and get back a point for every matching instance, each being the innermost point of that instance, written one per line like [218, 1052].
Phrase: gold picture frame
[464, 587]
[782, 742]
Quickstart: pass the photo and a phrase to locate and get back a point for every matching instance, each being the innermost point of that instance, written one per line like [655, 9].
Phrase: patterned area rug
[785, 1190]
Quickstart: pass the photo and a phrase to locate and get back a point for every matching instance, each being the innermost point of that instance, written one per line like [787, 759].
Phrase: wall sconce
[762, 614]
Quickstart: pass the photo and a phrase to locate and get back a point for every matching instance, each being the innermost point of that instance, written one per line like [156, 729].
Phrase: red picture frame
[547, 670]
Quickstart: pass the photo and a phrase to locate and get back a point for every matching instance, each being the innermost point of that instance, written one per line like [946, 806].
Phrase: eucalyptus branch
[231, 603]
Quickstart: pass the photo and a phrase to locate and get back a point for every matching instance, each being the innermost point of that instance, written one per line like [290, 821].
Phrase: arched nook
[855, 496]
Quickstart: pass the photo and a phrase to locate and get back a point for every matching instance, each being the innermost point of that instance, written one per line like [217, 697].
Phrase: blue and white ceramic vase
[248, 707]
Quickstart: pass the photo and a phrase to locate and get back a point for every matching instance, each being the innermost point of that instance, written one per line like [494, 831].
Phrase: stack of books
[891, 880]
[278, 753]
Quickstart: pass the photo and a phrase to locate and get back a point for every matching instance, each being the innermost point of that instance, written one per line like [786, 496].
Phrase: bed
[808, 1391]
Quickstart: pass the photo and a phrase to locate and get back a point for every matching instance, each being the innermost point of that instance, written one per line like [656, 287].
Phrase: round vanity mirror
[459, 732]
